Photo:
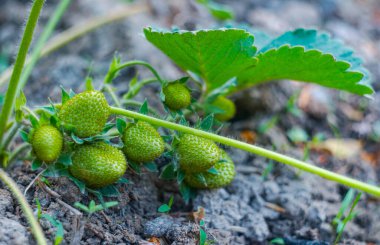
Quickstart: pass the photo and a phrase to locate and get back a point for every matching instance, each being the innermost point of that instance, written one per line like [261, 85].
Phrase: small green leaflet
[168, 172]
[219, 11]
[58, 225]
[120, 125]
[216, 55]
[65, 95]
[302, 55]
[20, 102]
[144, 108]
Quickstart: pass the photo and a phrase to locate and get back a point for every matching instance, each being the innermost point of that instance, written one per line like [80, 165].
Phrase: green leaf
[308, 56]
[123, 180]
[168, 172]
[277, 241]
[214, 55]
[82, 207]
[213, 171]
[88, 84]
[20, 102]
[171, 200]
[65, 159]
[180, 176]
[1, 99]
[111, 204]
[58, 225]
[39, 210]
[120, 125]
[202, 236]
[186, 192]
[218, 11]
[65, 96]
[144, 108]
[207, 123]
[135, 166]
[151, 167]
[297, 135]
[24, 136]
[36, 164]
[111, 71]
[76, 139]
[109, 191]
[164, 208]
[222, 90]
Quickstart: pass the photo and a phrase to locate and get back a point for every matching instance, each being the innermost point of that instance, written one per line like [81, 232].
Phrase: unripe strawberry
[47, 143]
[142, 142]
[98, 164]
[87, 112]
[227, 106]
[177, 96]
[226, 173]
[197, 154]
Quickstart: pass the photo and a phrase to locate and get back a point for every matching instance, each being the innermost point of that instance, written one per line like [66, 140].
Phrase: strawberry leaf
[303, 55]
[168, 172]
[308, 56]
[164, 208]
[214, 55]
[144, 108]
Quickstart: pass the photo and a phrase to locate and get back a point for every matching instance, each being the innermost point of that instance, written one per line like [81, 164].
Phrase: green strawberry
[226, 173]
[197, 154]
[227, 106]
[98, 164]
[47, 142]
[177, 96]
[87, 112]
[142, 142]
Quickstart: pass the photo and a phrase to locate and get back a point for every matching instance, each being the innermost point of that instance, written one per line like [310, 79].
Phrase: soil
[296, 206]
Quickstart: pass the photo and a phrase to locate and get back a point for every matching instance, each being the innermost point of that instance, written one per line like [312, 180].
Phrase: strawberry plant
[80, 138]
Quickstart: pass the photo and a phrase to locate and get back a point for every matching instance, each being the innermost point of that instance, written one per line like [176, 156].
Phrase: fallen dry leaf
[340, 148]
[199, 214]
[351, 113]
[248, 136]
[154, 240]
[372, 155]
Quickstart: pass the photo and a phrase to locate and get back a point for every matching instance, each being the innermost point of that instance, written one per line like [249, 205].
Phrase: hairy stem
[107, 88]
[48, 29]
[130, 94]
[371, 189]
[138, 105]
[12, 92]
[111, 75]
[80, 30]
[36, 228]
[8, 139]
[16, 152]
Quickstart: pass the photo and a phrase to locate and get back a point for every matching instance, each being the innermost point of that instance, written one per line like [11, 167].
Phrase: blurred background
[344, 129]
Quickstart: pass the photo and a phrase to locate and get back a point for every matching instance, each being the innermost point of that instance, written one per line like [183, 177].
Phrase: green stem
[36, 228]
[49, 28]
[138, 105]
[8, 139]
[371, 189]
[12, 92]
[16, 152]
[110, 76]
[109, 90]
[140, 84]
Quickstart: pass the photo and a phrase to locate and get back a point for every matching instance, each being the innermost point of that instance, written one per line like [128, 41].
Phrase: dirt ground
[288, 204]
